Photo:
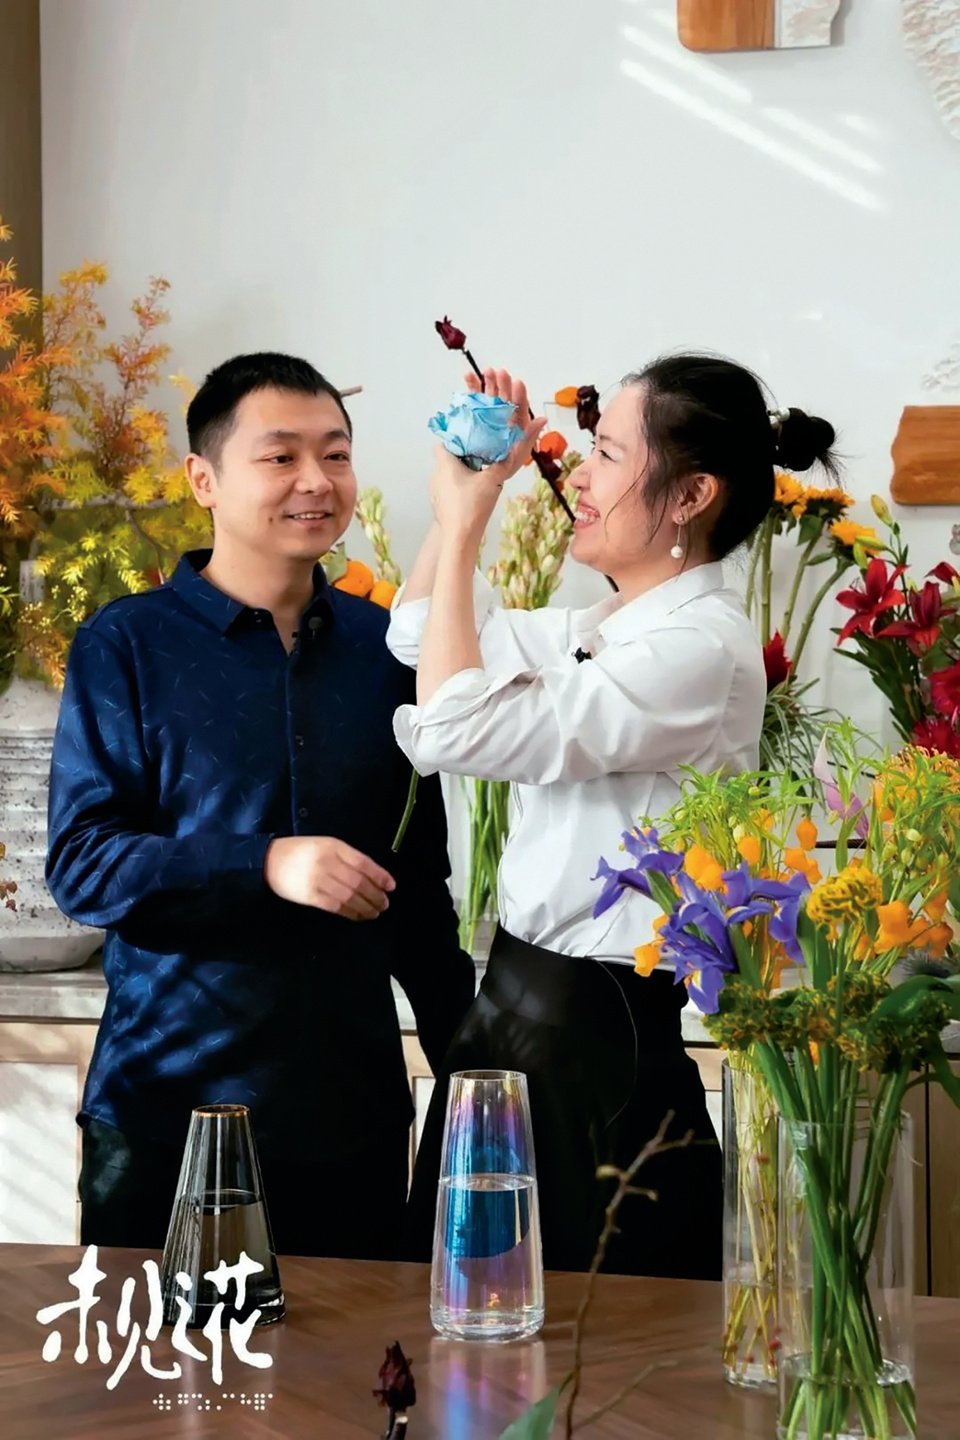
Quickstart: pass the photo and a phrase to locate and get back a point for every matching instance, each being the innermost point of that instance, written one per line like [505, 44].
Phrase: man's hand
[323, 872]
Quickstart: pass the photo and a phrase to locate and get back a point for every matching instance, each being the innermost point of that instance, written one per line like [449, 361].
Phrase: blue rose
[479, 429]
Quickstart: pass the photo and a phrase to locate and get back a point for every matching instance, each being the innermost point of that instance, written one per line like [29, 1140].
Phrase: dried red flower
[453, 338]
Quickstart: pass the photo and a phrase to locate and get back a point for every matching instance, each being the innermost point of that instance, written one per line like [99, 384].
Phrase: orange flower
[357, 579]
[552, 445]
[814, 1052]
[383, 593]
[807, 834]
[647, 958]
[703, 869]
[800, 861]
[897, 930]
[567, 397]
[749, 849]
[936, 906]
[937, 938]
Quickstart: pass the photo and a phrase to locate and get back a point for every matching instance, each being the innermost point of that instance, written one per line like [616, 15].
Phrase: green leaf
[537, 1422]
[904, 998]
[943, 1072]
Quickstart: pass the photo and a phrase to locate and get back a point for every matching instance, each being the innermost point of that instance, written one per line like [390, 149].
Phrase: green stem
[755, 550]
[818, 599]
[767, 580]
[408, 811]
[797, 581]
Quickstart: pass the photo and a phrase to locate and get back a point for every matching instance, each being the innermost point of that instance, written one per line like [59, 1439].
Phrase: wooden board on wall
[719, 25]
[926, 456]
[713, 25]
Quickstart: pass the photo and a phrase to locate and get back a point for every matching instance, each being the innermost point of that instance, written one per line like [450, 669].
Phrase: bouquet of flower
[816, 520]
[908, 637]
[838, 1050]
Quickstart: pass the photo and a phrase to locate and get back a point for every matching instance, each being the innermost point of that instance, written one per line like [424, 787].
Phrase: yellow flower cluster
[845, 896]
[798, 499]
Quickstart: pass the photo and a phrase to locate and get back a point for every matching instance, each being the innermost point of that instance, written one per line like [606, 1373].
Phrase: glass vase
[845, 1278]
[749, 1349]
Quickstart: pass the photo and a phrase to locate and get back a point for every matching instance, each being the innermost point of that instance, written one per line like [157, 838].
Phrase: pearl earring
[676, 551]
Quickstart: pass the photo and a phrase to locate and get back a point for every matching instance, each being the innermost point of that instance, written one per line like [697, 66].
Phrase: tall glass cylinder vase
[845, 1279]
[749, 1226]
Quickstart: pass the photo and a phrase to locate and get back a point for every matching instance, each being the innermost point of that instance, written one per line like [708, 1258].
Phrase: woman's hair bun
[803, 440]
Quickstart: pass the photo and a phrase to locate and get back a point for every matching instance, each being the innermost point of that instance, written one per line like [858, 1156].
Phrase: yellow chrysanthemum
[845, 896]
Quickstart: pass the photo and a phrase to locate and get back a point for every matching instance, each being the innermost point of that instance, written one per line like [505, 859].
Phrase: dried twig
[625, 1186]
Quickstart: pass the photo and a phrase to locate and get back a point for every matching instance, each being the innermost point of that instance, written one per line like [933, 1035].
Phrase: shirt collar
[619, 622]
[221, 610]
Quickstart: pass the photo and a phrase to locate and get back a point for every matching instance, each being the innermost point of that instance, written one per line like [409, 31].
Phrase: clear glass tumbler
[220, 1215]
[487, 1275]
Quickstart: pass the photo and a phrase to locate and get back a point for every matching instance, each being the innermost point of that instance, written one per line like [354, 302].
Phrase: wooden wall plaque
[719, 25]
[926, 456]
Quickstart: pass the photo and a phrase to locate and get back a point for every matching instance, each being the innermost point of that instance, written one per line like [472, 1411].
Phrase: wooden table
[341, 1315]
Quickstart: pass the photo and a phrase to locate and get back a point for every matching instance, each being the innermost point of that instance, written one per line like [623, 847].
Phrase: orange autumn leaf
[358, 579]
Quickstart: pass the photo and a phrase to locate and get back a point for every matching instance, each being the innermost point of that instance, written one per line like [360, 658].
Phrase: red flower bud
[453, 338]
[588, 408]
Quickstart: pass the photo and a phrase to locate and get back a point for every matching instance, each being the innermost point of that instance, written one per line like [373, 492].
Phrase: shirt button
[299, 739]
[259, 618]
[303, 812]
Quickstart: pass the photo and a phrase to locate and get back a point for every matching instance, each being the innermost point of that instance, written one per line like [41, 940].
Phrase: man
[224, 793]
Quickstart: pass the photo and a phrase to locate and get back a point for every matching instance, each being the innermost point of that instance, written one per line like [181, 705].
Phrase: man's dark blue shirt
[188, 738]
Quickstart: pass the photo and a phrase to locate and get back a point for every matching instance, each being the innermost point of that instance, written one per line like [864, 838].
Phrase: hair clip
[777, 417]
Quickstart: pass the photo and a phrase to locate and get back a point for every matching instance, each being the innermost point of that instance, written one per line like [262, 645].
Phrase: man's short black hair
[213, 410]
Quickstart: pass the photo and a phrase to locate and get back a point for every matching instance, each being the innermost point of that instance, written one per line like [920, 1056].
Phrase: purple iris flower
[696, 937]
[783, 926]
[648, 856]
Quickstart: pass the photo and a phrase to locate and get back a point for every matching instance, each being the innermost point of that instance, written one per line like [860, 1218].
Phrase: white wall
[566, 181]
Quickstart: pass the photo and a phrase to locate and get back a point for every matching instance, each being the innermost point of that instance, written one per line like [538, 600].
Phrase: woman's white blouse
[675, 678]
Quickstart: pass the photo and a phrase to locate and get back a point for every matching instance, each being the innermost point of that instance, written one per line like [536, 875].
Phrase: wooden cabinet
[43, 1065]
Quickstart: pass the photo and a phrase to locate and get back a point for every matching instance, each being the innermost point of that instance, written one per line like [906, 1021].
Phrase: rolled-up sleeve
[652, 704]
[509, 639]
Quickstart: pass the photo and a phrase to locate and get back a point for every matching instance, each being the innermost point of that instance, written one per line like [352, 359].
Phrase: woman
[592, 714]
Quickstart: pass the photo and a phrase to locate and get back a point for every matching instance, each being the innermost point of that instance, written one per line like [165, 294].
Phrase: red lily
[945, 572]
[775, 662]
[922, 632]
[877, 596]
[937, 735]
[945, 690]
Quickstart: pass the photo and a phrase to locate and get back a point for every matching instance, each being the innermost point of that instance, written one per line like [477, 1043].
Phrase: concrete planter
[36, 936]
